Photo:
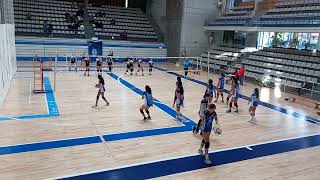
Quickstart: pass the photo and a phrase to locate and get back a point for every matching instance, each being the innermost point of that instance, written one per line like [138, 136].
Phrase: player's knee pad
[207, 145]
[203, 141]
[230, 104]
[147, 111]
[236, 104]
[141, 111]
[98, 96]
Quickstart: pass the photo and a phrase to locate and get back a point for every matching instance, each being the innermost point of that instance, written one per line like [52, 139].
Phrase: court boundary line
[51, 105]
[196, 155]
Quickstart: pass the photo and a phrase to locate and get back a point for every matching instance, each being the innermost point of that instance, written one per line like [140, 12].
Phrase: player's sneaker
[200, 152]
[207, 161]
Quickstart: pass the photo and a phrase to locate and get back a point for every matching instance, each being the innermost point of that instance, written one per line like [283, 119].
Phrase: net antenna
[38, 69]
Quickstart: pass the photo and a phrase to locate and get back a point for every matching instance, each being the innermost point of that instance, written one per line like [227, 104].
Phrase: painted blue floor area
[268, 105]
[52, 107]
[195, 162]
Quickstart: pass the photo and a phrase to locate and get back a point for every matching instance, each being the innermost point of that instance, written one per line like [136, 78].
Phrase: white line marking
[249, 148]
[177, 157]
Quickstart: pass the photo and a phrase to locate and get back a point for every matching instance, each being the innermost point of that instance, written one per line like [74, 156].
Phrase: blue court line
[145, 133]
[268, 105]
[50, 102]
[48, 145]
[195, 162]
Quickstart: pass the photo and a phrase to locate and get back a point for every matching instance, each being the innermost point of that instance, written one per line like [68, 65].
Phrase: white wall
[8, 65]
[196, 13]
[158, 10]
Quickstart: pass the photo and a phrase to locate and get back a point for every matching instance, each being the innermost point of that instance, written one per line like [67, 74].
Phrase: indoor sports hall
[145, 89]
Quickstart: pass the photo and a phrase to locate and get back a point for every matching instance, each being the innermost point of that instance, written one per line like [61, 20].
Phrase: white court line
[249, 148]
[177, 157]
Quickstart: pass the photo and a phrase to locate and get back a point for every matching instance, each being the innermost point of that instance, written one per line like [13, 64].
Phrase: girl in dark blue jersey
[220, 87]
[178, 97]
[148, 102]
[234, 95]
[210, 91]
[254, 102]
[207, 122]
[203, 107]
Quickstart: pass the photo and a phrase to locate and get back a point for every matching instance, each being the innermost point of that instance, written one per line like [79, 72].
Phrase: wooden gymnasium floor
[59, 134]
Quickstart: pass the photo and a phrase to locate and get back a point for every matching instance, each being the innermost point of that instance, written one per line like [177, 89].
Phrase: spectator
[50, 27]
[45, 26]
[241, 74]
[124, 35]
[81, 27]
[28, 17]
[113, 22]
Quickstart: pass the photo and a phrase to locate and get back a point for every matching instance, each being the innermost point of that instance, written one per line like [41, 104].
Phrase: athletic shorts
[180, 100]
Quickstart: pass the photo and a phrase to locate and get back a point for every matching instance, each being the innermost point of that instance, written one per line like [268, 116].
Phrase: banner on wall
[95, 48]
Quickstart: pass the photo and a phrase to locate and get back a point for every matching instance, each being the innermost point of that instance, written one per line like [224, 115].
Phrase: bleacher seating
[41, 10]
[131, 20]
[288, 67]
[31, 15]
[301, 13]
[220, 57]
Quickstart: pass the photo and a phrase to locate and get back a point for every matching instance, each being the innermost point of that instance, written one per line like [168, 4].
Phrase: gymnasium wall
[48, 47]
[195, 15]
[158, 10]
[8, 65]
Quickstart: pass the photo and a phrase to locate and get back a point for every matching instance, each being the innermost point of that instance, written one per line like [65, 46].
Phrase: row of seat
[45, 3]
[116, 8]
[297, 2]
[293, 15]
[120, 31]
[294, 9]
[36, 15]
[23, 21]
[122, 28]
[247, 7]
[118, 19]
[283, 55]
[231, 13]
[23, 7]
[234, 17]
[277, 61]
[129, 35]
[38, 30]
[117, 13]
[282, 68]
[280, 74]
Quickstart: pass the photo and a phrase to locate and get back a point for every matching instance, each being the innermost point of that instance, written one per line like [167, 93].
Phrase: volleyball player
[235, 94]
[179, 97]
[148, 102]
[73, 63]
[220, 87]
[203, 107]
[87, 66]
[102, 90]
[231, 91]
[128, 67]
[150, 66]
[131, 66]
[254, 102]
[186, 64]
[210, 90]
[206, 128]
[140, 67]
[109, 61]
[99, 64]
